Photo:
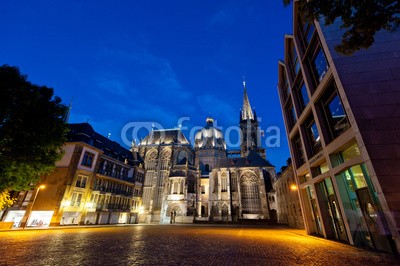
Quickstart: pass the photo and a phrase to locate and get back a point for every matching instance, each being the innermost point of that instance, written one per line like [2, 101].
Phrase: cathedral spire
[247, 113]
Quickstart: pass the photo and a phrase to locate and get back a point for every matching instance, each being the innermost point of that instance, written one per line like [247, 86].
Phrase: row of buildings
[162, 179]
[96, 182]
[342, 118]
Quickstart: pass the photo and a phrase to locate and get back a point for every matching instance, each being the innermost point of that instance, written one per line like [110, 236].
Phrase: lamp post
[33, 202]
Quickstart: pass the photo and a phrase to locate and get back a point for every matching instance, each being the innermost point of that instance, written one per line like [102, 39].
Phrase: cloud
[217, 108]
[113, 85]
[138, 71]
[228, 14]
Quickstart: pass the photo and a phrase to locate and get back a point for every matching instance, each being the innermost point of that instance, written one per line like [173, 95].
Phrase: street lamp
[33, 202]
[293, 187]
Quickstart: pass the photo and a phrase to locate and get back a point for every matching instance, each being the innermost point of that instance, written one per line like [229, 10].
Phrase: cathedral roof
[247, 113]
[209, 137]
[165, 136]
[252, 160]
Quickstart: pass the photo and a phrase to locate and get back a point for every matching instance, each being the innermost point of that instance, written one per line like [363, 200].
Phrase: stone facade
[287, 199]
[171, 182]
[185, 184]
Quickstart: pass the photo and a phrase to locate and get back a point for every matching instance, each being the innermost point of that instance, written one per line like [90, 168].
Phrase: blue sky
[152, 61]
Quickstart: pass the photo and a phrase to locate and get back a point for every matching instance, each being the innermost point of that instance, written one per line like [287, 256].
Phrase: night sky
[152, 61]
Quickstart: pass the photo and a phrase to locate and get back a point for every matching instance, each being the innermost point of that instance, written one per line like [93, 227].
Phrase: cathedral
[207, 182]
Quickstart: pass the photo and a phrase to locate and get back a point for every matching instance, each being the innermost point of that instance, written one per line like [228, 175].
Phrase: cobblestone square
[179, 245]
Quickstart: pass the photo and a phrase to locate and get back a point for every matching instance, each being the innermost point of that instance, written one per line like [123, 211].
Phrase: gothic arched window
[250, 193]
[224, 183]
[233, 182]
[225, 210]
[182, 157]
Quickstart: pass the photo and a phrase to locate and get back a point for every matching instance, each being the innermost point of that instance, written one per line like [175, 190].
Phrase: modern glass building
[342, 118]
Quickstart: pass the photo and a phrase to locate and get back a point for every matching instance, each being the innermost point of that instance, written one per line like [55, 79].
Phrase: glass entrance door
[373, 220]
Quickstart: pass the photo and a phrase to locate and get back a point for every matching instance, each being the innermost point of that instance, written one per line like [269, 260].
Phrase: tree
[361, 19]
[32, 131]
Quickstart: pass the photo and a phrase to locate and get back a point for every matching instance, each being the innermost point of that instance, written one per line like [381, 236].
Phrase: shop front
[15, 217]
[70, 218]
[40, 218]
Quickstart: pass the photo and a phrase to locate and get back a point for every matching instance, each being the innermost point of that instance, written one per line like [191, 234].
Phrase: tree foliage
[5, 199]
[32, 130]
[361, 20]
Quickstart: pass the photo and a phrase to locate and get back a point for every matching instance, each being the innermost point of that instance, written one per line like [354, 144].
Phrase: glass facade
[294, 62]
[299, 151]
[313, 137]
[320, 65]
[303, 96]
[335, 115]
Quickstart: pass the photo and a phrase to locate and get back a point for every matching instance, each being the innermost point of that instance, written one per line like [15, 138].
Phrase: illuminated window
[224, 183]
[224, 210]
[250, 194]
[76, 199]
[349, 153]
[175, 187]
[87, 159]
[233, 182]
[81, 181]
[356, 177]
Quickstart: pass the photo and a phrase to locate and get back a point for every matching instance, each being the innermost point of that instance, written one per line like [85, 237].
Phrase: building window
[302, 95]
[233, 182]
[335, 116]
[175, 187]
[81, 181]
[313, 136]
[306, 30]
[348, 153]
[298, 151]
[203, 189]
[319, 65]
[225, 211]
[76, 199]
[291, 116]
[285, 89]
[250, 194]
[224, 183]
[304, 178]
[182, 157]
[87, 159]
[294, 61]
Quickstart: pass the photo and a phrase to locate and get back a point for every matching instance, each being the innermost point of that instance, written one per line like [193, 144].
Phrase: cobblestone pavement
[179, 245]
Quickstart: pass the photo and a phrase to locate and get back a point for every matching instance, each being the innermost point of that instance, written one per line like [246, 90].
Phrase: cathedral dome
[209, 137]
